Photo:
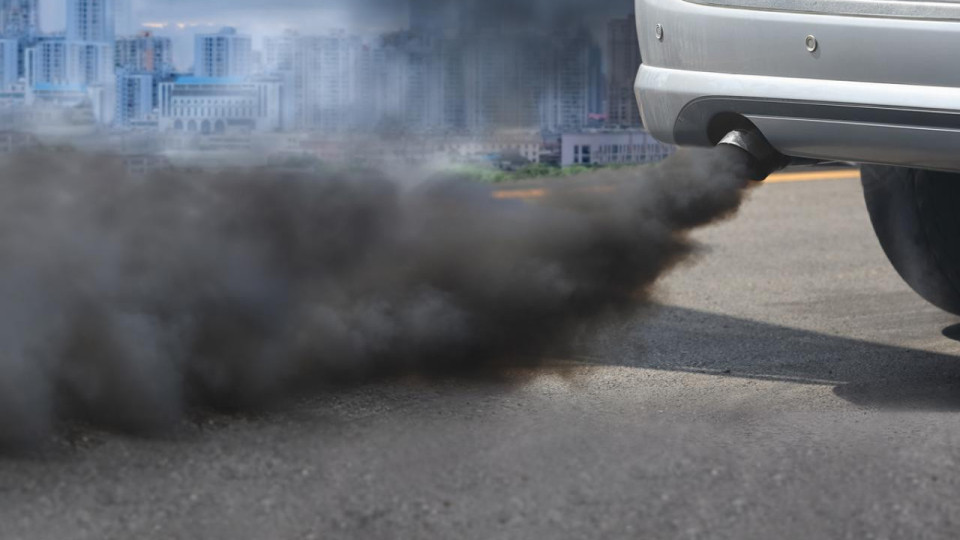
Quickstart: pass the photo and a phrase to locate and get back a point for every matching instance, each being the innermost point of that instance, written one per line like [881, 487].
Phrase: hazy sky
[249, 16]
[252, 15]
[264, 17]
[360, 15]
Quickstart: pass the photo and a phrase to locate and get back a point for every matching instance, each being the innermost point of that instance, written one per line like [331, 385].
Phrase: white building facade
[612, 148]
[208, 106]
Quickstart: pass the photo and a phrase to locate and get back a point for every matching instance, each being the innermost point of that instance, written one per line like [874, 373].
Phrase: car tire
[916, 215]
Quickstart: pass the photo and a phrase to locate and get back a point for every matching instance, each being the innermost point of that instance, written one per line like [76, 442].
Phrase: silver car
[876, 82]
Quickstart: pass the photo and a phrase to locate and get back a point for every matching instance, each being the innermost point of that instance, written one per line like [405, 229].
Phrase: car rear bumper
[875, 89]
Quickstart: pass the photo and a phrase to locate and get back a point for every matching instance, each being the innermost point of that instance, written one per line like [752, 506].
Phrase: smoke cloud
[127, 301]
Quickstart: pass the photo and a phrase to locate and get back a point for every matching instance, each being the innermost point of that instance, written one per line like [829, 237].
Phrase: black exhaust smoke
[128, 301]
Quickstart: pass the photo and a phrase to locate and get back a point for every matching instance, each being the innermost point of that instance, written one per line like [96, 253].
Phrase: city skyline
[181, 20]
[452, 67]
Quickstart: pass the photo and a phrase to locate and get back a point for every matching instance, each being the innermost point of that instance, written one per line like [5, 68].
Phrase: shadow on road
[952, 332]
[861, 372]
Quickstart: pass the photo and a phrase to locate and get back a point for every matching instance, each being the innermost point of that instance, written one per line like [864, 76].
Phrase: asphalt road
[788, 385]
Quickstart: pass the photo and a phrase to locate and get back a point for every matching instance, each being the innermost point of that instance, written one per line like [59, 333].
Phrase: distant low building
[212, 105]
[144, 164]
[612, 147]
[14, 141]
[494, 148]
[65, 95]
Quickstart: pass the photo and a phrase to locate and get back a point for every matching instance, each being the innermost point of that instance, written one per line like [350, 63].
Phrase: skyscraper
[331, 75]
[278, 51]
[571, 72]
[136, 96]
[411, 82]
[46, 62]
[623, 50]
[78, 66]
[90, 20]
[19, 18]
[503, 80]
[145, 52]
[90, 63]
[142, 62]
[9, 70]
[224, 54]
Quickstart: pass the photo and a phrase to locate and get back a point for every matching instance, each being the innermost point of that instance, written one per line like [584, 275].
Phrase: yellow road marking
[519, 193]
[844, 174]
[841, 174]
[542, 192]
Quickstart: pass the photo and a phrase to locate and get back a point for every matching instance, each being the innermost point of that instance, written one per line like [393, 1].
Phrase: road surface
[788, 385]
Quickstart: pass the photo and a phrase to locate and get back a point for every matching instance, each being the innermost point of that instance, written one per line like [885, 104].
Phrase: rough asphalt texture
[790, 386]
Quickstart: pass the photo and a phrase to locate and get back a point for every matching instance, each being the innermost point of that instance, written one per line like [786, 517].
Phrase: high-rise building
[9, 60]
[623, 51]
[136, 97]
[90, 63]
[145, 52]
[78, 67]
[48, 74]
[57, 61]
[142, 62]
[278, 51]
[89, 45]
[47, 62]
[572, 73]
[412, 82]
[502, 78]
[90, 20]
[598, 83]
[19, 18]
[224, 54]
[333, 82]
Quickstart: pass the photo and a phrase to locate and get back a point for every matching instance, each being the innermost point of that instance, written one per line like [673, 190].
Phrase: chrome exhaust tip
[762, 158]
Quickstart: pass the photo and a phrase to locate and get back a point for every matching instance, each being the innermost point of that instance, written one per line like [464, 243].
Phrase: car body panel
[904, 9]
[892, 73]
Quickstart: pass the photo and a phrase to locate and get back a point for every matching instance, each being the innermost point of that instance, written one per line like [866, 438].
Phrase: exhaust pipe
[762, 158]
